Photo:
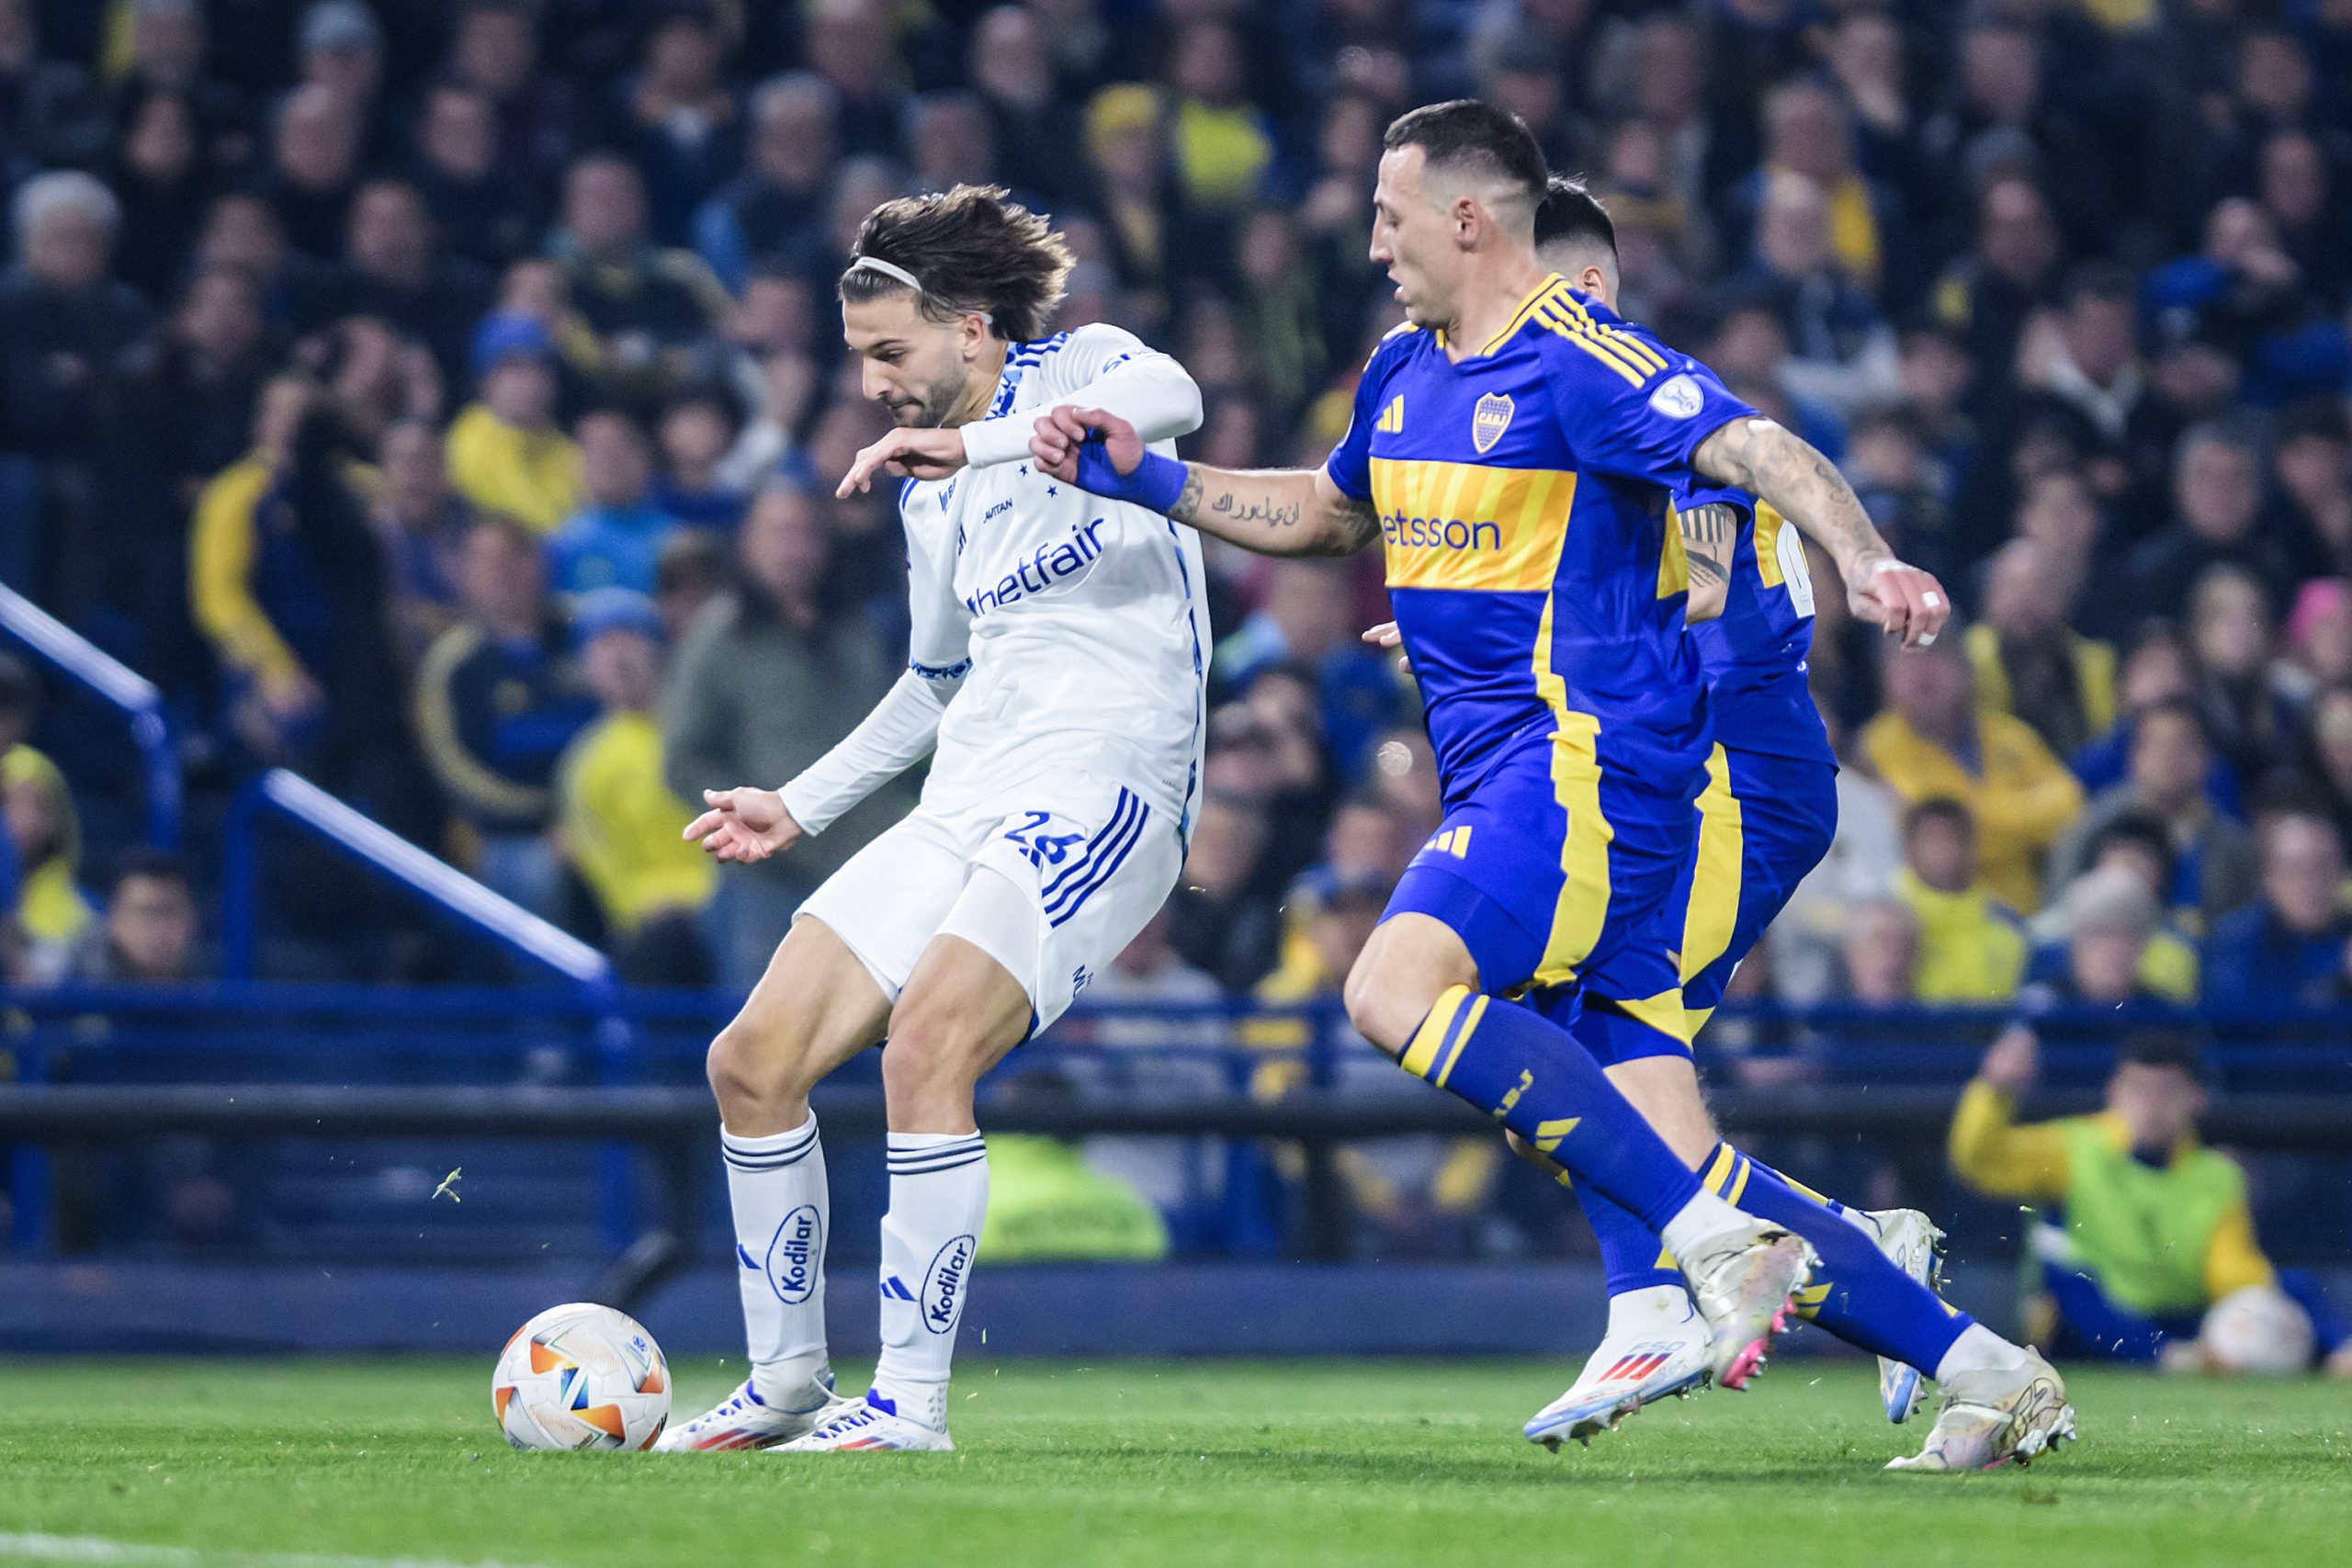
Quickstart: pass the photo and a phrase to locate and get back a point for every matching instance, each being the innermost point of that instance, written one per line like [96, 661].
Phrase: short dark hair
[2180, 707]
[974, 248]
[2170, 1048]
[1570, 214]
[1467, 133]
[1938, 808]
[2108, 280]
[155, 865]
[2143, 830]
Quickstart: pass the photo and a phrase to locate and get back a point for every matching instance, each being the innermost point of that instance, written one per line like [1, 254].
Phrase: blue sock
[1631, 1254]
[1533, 1077]
[1856, 1294]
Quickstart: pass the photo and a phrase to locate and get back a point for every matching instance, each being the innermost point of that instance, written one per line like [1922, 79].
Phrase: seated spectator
[1880, 955]
[775, 208]
[648, 304]
[287, 582]
[694, 568]
[1970, 947]
[147, 935]
[1933, 741]
[2111, 945]
[2212, 860]
[766, 682]
[392, 269]
[2029, 662]
[1841, 355]
[1307, 616]
[1807, 935]
[697, 433]
[421, 525]
[314, 149]
[675, 118]
[2286, 948]
[619, 824]
[1217, 919]
[615, 537]
[2327, 769]
[507, 456]
[2217, 520]
[2140, 1228]
[485, 216]
[159, 174]
[2252, 707]
[2156, 668]
[496, 705]
[44, 833]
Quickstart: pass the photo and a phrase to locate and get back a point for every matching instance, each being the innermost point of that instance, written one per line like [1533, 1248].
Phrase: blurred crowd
[444, 399]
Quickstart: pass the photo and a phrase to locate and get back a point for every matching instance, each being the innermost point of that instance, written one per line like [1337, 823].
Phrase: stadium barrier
[130, 695]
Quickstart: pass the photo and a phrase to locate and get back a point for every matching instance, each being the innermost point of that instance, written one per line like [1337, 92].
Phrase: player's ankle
[794, 1384]
[1978, 1349]
[1648, 1309]
[1699, 1222]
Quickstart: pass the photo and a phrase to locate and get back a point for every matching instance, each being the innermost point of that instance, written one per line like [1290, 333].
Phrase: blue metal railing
[121, 688]
[431, 881]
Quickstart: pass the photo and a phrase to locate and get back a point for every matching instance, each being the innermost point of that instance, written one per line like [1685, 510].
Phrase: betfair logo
[1392, 418]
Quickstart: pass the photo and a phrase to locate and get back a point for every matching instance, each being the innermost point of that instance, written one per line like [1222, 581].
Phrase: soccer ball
[580, 1376]
[2257, 1329]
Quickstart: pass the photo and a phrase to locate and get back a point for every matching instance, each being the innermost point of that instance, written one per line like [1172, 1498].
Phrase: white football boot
[744, 1420]
[1743, 1280]
[1656, 1345]
[1913, 1244]
[868, 1424]
[1996, 1414]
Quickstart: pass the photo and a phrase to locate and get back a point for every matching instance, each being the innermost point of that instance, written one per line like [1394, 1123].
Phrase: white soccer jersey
[1067, 632]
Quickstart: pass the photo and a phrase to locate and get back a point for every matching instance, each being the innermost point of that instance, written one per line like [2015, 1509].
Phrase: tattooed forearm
[1710, 535]
[1804, 486]
[1357, 523]
[1273, 513]
[1188, 499]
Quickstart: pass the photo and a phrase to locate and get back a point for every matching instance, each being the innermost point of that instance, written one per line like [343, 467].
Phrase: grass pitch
[342, 1464]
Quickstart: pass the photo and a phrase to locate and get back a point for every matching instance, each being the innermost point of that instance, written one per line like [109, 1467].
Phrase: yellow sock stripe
[1549, 1135]
[1461, 1037]
[1720, 1171]
[1803, 1190]
[1740, 1181]
[1422, 1052]
[1809, 1300]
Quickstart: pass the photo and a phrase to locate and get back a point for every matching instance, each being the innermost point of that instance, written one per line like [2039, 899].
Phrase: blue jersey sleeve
[1631, 407]
[1349, 464]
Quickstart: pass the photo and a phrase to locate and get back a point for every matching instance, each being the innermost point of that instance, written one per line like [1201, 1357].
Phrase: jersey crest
[1489, 420]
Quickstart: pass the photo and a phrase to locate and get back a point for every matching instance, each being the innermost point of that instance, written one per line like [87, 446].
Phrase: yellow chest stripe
[1471, 527]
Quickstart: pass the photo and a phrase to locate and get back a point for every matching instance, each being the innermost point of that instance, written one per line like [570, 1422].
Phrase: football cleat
[1743, 1279]
[744, 1420]
[1628, 1372]
[1996, 1414]
[870, 1424]
[1913, 1244]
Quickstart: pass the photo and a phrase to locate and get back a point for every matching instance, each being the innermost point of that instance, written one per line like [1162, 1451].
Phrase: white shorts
[1052, 880]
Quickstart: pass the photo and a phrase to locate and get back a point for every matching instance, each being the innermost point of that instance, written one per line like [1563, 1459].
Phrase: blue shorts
[1558, 870]
[1764, 822]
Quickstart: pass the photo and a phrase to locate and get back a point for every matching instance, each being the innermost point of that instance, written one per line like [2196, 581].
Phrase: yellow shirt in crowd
[624, 828]
[532, 476]
[2021, 797]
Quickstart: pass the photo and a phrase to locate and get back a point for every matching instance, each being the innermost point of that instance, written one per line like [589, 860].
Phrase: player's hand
[1386, 635]
[1908, 603]
[2014, 1061]
[743, 825]
[1056, 438]
[912, 454]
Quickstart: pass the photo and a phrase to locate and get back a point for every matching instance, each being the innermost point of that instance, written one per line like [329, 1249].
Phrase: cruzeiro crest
[1489, 420]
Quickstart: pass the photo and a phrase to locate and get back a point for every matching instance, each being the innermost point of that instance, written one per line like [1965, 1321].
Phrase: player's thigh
[1412, 959]
[1061, 884]
[1631, 972]
[814, 1008]
[1760, 833]
[961, 1012]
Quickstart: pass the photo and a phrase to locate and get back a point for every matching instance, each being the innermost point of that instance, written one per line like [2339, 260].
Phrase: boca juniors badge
[1489, 420]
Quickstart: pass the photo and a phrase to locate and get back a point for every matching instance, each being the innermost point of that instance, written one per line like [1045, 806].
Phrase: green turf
[1142, 1463]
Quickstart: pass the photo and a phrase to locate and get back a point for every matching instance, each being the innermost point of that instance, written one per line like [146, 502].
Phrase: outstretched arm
[1759, 456]
[1275, 512]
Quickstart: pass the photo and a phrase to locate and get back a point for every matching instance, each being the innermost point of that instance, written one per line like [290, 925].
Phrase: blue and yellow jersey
[1524, 498]
[1754, 654]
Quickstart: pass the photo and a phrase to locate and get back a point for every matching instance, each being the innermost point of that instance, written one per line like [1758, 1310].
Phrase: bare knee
[1385, 1009]
[761, 1079]
[930, 1066]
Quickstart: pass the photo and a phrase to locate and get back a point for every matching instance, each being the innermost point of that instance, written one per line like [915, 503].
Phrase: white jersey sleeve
[904, 725]
[1096, 367]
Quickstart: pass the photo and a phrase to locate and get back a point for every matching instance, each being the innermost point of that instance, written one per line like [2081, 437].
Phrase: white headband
[894, 271]
[888, 270]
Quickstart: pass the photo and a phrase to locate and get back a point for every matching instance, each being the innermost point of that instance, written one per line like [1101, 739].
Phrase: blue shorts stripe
[1110, 864]
[1127, 801]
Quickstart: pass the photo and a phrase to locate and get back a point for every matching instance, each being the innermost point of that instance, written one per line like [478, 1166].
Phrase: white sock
[778, 1187]
[1650, 1310]
[939, 1195]
[1700, 1220]
[1978, 1349]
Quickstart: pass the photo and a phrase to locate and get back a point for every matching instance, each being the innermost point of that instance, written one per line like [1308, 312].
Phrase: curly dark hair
[975, 249]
